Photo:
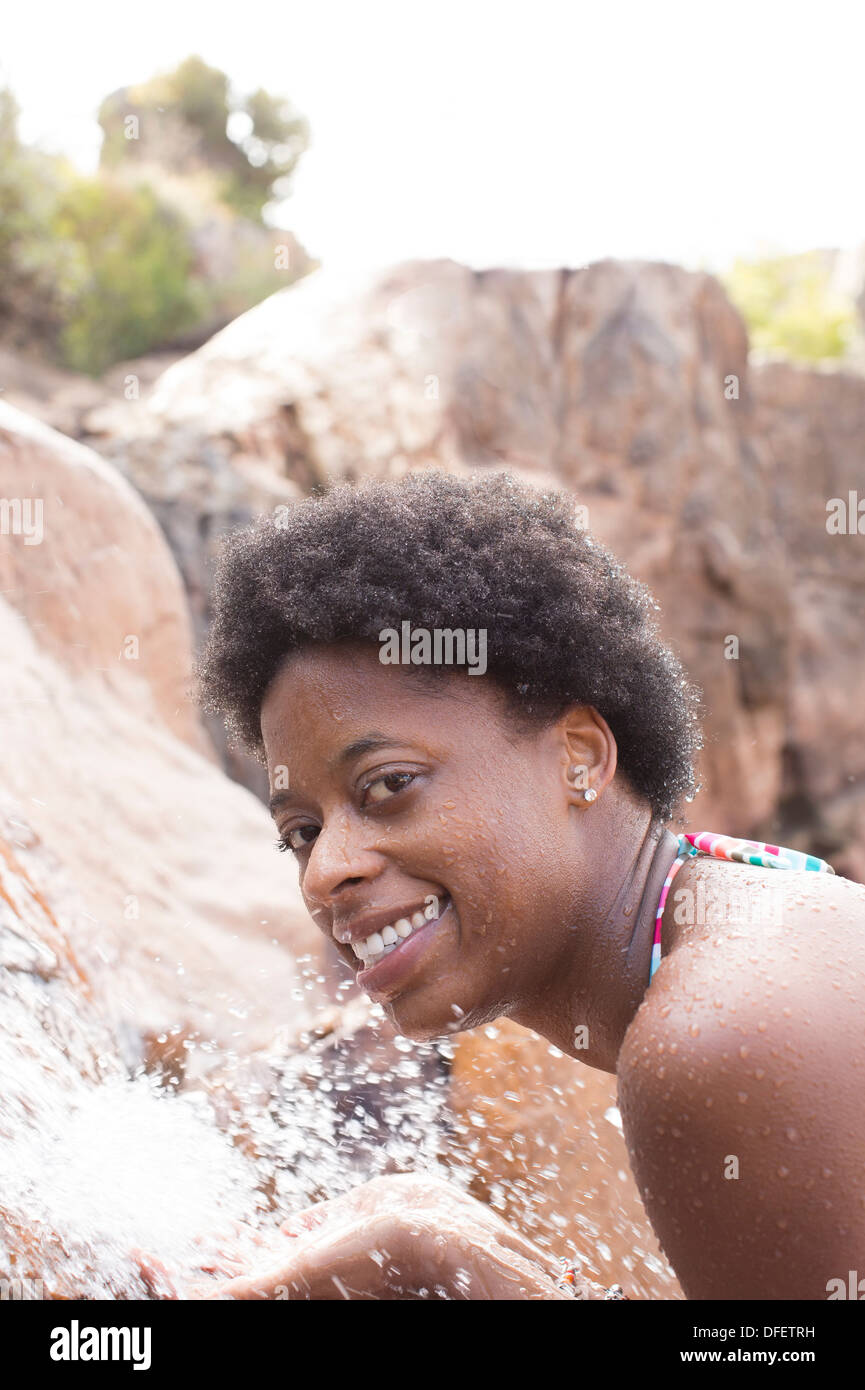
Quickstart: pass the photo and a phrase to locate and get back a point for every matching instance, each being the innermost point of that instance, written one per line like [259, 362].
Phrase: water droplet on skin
[761, 1026]
[694, 1030]
[742, 1097]
[743, 1053]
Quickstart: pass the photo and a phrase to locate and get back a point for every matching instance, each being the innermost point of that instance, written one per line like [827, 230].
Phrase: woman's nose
[341, 857]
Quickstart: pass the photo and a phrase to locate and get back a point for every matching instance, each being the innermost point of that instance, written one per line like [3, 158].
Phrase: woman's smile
[497, 848]
[422, 848]
[385, 971]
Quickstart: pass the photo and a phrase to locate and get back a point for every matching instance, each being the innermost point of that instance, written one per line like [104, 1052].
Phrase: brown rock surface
[144, 920]
[812, 425]
[542, 1137]
[628, 382]
[190, 911]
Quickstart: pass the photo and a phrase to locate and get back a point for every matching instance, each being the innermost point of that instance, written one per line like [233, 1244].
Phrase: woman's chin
[427, 1022]
[422, 1028]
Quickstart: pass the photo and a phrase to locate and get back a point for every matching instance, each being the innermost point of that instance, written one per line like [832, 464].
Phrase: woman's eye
[297, 838]
[387, 786]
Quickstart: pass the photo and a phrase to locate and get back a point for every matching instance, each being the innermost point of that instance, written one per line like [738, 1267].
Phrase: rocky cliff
[142, 909]
[175, 1071]
[629, 383]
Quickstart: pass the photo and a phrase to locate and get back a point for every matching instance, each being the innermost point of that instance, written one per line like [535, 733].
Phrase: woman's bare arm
[405, 1236]
[741, 1098]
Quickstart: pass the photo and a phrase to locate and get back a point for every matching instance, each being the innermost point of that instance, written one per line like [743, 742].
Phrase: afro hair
[565, 623]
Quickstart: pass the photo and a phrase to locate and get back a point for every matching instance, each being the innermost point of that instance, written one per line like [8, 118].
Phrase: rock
[144, 920]
[812, 425]
[62, 398]
[192, 917]
[627, 382]
[540, 1138]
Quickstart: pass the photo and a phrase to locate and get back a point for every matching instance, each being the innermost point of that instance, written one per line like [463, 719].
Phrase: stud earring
[590, 794]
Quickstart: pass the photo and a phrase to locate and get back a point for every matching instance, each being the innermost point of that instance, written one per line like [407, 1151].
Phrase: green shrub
[133, 274]
[790, 307]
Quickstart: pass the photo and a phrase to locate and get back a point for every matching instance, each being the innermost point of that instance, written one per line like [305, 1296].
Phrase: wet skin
[749, 1044]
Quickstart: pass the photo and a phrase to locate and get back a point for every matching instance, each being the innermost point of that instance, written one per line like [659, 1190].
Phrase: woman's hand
[403, 1236]
[224, 1254]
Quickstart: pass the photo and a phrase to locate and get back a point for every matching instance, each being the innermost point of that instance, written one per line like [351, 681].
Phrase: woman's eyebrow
[367, 744]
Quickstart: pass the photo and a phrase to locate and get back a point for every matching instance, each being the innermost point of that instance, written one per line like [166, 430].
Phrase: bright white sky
[540, 133]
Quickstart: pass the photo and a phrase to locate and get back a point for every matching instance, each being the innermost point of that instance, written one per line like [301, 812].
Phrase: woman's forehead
[344, 691]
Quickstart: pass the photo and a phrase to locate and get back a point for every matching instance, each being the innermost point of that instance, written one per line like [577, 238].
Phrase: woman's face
[430, 836]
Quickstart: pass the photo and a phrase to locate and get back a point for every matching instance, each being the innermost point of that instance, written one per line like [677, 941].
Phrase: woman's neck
[595, 986]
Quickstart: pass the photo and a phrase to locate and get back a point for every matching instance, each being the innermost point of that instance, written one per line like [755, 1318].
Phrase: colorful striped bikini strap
[728, 847]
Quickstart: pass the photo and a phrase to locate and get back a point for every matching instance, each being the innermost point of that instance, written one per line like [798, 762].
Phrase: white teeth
[382, 943]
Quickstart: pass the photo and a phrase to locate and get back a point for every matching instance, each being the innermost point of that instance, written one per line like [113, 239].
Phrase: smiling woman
[497, 846]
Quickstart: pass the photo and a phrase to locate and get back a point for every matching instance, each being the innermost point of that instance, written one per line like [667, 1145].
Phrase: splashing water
[119, 1184]
[112, 1186]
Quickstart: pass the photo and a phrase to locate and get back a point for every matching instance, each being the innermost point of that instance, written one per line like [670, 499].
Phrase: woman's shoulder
[738, 908]
[742, 937]
[746, 1059]
[765, 974]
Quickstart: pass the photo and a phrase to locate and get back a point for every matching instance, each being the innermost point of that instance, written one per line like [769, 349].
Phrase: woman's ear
[590, 752]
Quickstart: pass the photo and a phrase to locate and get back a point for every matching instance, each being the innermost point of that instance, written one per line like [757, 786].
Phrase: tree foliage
[133, 286]
[35, 272]
[166, 240]
[791, 308]
[189, 119]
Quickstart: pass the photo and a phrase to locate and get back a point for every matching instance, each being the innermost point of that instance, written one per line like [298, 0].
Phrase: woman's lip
[389, 969]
